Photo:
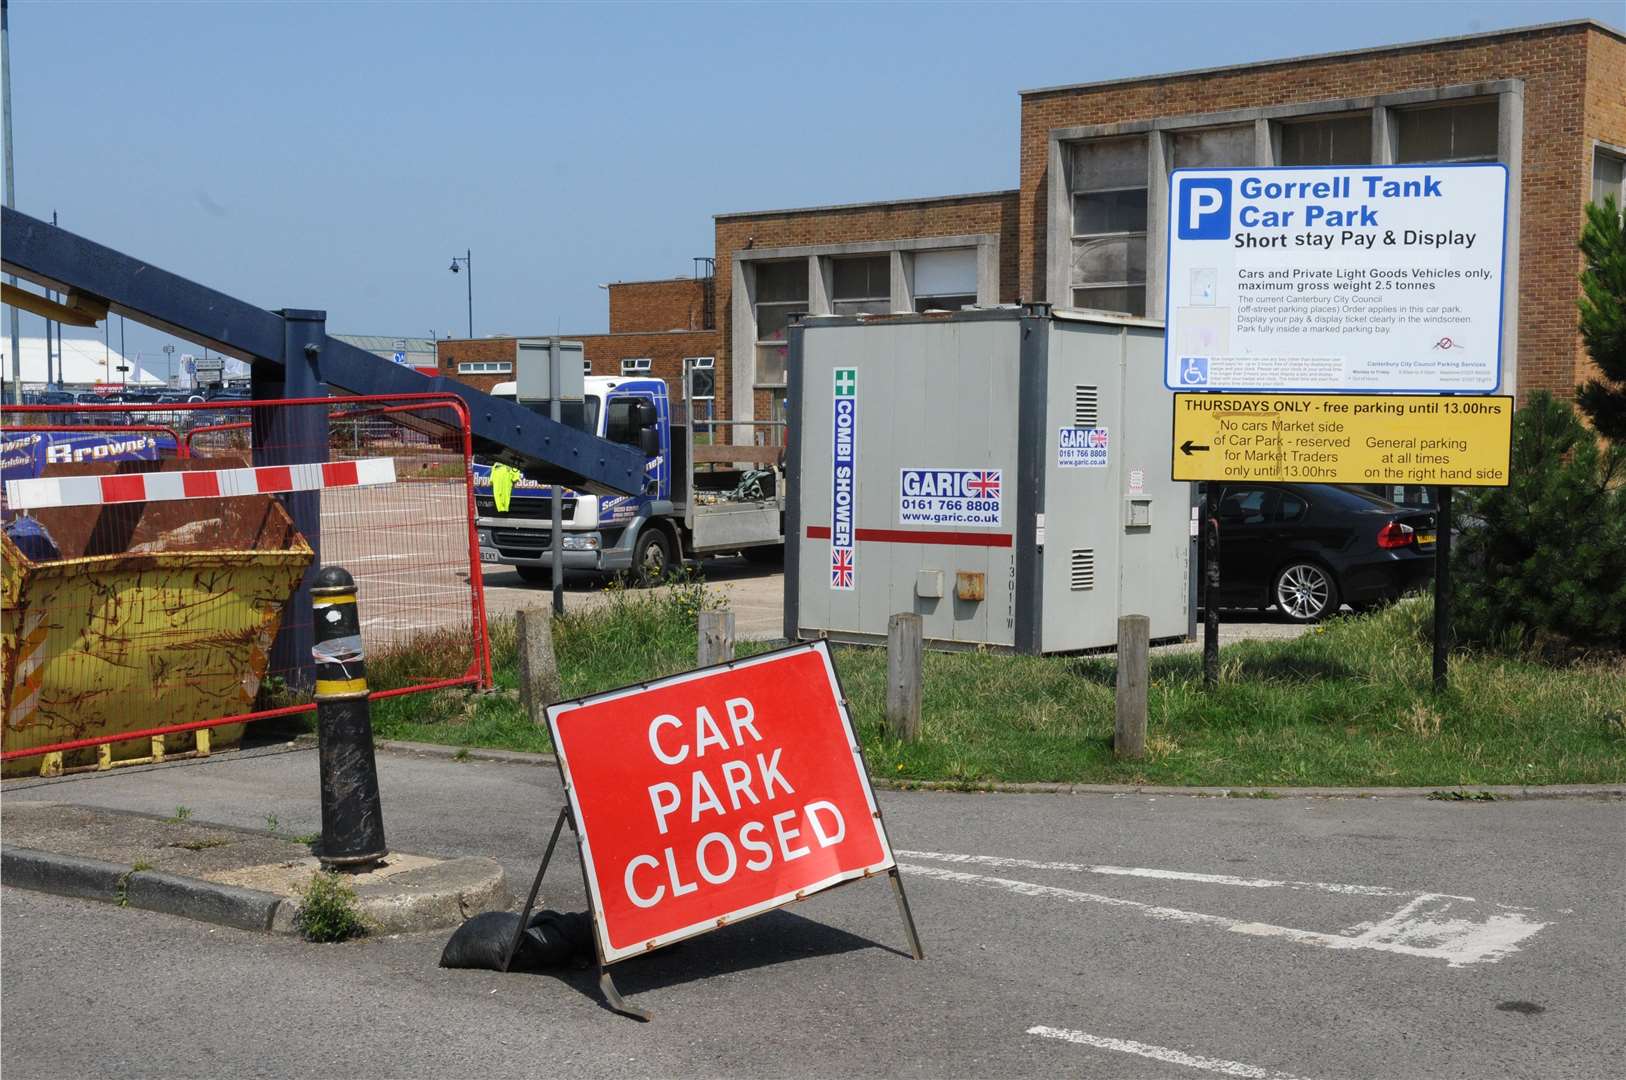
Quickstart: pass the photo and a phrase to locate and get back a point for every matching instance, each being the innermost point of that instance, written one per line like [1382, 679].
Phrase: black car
[1307, 548]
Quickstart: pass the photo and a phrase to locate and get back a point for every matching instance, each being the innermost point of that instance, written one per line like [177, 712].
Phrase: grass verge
[1348, 704]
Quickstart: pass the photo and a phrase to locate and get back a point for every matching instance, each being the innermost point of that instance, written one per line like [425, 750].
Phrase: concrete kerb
[441, 894]
[882, 783]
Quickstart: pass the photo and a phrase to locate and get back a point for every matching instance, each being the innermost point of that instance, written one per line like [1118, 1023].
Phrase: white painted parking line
[1162, 1053]
[1422, 928]
[1165, 875]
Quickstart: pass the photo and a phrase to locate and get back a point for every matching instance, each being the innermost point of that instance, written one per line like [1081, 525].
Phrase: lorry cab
[599, 532]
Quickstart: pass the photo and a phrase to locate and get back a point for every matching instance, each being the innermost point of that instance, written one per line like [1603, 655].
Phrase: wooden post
[539, 684]
[1129, 732]
[904, 645]
[716, 638]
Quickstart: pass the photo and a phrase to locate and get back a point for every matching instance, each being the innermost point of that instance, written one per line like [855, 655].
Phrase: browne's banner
[715, 795]
[950, 497]
[1366, 278]
[843, 480]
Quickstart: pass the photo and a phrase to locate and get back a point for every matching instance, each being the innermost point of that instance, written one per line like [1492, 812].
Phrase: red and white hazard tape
[208, 484]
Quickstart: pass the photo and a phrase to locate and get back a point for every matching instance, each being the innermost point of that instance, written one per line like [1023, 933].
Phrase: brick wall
[676, 304]
[908, 220]
[449, 352]
[666, 353]
[603, 351]
[1564, 109]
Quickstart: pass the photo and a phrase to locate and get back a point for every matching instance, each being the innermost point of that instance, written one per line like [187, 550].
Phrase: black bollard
[352, 819]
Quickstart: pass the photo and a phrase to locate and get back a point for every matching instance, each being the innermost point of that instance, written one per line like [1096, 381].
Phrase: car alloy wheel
[1305, 592]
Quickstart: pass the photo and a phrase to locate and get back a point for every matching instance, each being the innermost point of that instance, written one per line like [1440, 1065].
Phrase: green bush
[327, 910]
[1542, 562]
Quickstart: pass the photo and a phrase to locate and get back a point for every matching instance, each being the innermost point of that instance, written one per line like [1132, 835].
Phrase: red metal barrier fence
[140, 603]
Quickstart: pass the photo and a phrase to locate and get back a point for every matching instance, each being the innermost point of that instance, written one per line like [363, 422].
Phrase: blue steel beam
[57, 259]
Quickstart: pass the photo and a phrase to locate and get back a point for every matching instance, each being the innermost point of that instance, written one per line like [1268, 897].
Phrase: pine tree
[1603, 319]
[1542, 562]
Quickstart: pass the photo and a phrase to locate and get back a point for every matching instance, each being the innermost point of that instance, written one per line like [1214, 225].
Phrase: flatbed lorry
[700, 498]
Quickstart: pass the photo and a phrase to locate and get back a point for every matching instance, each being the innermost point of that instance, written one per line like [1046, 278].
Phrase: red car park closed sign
[715, 795]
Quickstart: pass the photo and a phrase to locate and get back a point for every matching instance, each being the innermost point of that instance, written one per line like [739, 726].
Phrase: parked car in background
[1305, 549]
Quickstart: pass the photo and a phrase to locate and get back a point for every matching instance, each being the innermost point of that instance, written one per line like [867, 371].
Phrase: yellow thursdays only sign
[1460, 441]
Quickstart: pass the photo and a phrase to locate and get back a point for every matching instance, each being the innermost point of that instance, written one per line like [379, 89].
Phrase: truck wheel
[652, 558]
[534, 575]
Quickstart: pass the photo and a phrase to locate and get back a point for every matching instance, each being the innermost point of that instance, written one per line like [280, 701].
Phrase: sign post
[709, 797]
[1376, 280]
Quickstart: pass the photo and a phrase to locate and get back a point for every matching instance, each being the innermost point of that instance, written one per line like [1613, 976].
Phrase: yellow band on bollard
[329, 601]
[329, 687]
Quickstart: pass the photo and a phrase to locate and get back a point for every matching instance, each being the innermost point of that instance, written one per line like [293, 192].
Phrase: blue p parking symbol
[1205, 208]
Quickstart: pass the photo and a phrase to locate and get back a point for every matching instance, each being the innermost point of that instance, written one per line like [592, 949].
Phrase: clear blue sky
[335, 155]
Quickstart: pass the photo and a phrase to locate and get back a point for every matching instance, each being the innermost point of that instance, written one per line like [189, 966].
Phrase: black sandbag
[551, 939]
[560, 938]
[483, 941]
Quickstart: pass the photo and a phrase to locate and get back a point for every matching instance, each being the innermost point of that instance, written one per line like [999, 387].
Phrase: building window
[486, 367]
[945, 280]
[638, 366]
[702, 377]
[1213, 148]
[587, 367]
[1327, 140]
[1608, 177]
[781, 291]
[861, 286]
[1459, 132]
[1109, 225]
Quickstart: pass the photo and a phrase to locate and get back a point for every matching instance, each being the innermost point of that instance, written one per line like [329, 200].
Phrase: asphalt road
[1091, 936]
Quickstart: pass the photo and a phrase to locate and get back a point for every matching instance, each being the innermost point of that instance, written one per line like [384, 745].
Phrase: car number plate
[487, 555]
[1425, 538]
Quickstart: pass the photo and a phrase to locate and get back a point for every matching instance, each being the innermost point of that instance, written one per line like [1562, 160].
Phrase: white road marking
[1418, 929]
[1166, 875]
[1161, 1053]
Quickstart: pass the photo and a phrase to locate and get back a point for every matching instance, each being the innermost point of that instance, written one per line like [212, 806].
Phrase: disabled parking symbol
[1194, 371]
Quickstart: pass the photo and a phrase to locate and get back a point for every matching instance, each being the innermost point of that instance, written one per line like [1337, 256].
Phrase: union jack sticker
[841, 568]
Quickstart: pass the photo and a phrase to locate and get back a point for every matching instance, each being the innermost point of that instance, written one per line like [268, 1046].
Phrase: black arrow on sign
[1188, 448]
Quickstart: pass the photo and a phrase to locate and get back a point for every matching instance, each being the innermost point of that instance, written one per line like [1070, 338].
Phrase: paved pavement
[755, 592]
[1096, 936]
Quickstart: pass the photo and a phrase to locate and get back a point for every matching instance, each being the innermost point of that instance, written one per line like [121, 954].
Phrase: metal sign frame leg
[606, 985]
[908, 919]
[536, 886]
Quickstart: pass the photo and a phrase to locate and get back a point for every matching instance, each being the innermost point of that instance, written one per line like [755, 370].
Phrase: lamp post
[467, 259]
[169, 364]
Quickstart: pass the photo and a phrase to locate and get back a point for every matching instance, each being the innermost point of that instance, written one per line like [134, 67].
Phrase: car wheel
[534, 575]
[652, 558]
[1305, 592]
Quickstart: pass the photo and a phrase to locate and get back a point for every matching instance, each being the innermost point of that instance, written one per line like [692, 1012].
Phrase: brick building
[656, 327]
[1549, 102]
[1093, 165]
